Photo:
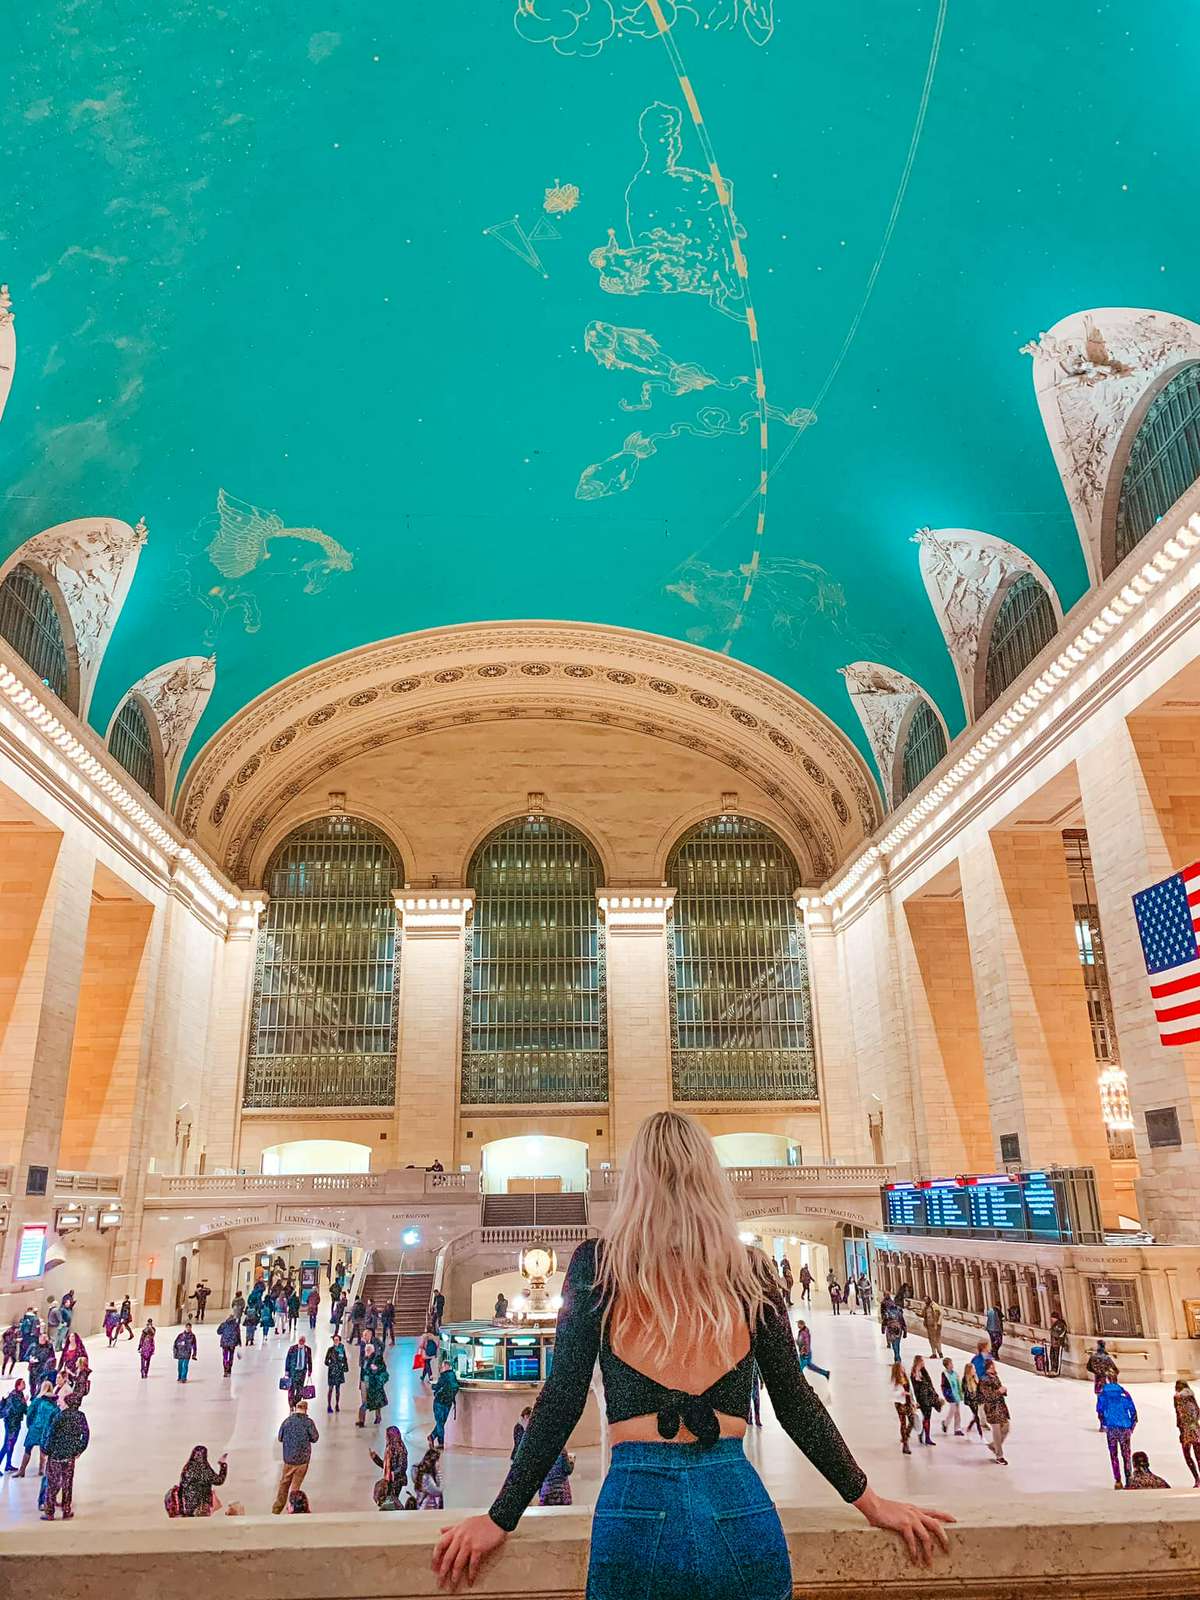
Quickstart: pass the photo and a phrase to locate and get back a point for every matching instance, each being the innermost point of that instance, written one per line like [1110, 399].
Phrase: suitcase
[1038, 1352]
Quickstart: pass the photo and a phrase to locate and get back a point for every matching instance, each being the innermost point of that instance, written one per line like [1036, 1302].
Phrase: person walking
[427, 1485]
[266, 1315]
[893, 1329]
[42, 1411]
[372, 1377]
[200, 1295]
[900, 1390]
[146, 1345]
[28, 1327]
[293, 1312]
[931, 1316]
[357, 1312]
[55, 1326]
[297, 1434]
[43, 1363]
[312, 1305]
[73, 1352]
[519, 1428]
[668, 1297]
[1141, 1477]
[387, 1324]
[1103, 1369]
[835, 1296]
[1118, 1418]
[297, 1367]
[337, 1365]
[981, 1357]
[393, 1463]
[198, 1481]
[1187, 1420]
[556, 1485]
[438, 1309]
[445, 1399]
[1058, 1343]
[12, 1413]
[283, 1312]
[370, 1328]
[250, 1323]
[66, 1440]
[229, 1336]
[237, 1306]
[185, 1351]
[429, 1351]
[500, 1309]
[125, 1320]
[10, 1346]
[926, 1396]
[995, 1408]
[864, 1293]
[112, 1323]
[806, 1283]
[336, 1312]
[994, 1323]
[970, 1389]
[952, 1394]
[804, 1351]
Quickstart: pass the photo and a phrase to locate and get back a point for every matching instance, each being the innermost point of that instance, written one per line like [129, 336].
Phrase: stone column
[35, 1053]
[639, 1015]
[429, 1059]
[229, 1033]
[843, 1119]
[1039, 1064]
[1139, 787]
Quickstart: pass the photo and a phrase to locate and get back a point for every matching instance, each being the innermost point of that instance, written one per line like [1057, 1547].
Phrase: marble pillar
[639, 1016]
[429, 1048]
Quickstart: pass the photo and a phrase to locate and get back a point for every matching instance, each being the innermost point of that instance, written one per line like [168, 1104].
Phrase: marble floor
[142, 1432]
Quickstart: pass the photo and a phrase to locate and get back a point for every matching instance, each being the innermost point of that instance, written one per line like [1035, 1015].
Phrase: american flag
[1168, 919]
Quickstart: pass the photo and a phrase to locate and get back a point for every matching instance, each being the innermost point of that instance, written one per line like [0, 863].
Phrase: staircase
[534, 1210]
[412, 1303]
[380, 1287]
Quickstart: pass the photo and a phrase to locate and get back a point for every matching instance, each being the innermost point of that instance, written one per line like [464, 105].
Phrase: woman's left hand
[917, 1527]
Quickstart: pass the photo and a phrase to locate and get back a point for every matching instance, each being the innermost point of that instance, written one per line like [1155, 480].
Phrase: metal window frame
[535, 981]
[345, 870]
[708, 973]
[1161, 461]
[1024, 624]
[30, 622]
[924, 746]
[131, 741]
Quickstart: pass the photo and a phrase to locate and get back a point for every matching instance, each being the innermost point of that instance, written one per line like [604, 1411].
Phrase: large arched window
[323, 1025]
[534, 1025]
[741, 1018]
[1163, 462]
[132, 743]
[924, 746]
[29, 621]
[1024, 625]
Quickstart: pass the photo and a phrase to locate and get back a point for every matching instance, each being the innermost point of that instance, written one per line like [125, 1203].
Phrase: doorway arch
[533, 1162]
[316, 1155]
[757, 1150]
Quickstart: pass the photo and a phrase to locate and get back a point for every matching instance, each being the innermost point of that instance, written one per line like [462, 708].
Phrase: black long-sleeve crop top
[580, 1339]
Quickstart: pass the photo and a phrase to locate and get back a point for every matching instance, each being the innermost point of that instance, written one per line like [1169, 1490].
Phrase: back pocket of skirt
[624, 1554]
[758, 1550]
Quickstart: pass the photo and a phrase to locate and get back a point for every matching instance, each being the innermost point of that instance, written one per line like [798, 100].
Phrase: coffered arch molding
[308, 725]
[780, 826]
[309, 811]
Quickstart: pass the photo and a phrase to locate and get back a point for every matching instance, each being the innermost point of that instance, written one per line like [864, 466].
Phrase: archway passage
[535, 1163]
[757, 1150]
[316, 1155]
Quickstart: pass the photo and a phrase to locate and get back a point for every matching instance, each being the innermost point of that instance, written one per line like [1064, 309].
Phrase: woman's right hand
[462, 1548]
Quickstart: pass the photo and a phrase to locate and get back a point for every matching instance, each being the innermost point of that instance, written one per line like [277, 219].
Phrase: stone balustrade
[1059, 1545]
[834, 1176]
[406, 1184]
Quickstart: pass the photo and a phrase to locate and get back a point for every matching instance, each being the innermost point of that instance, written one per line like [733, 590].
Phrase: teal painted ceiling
[392, 316]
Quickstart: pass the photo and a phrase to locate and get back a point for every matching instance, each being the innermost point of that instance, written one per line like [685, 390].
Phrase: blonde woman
[677, 1311]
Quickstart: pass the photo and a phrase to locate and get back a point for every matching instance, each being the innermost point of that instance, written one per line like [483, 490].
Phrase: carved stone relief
[177, 694]
[883, 698]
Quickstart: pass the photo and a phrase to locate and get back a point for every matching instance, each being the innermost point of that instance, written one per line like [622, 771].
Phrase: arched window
[741, 1017]
[323, 1024]
[29, 621]
[924, 747]
[534, 1024]
[132, 743]
[1164, 459]
[1024, 625]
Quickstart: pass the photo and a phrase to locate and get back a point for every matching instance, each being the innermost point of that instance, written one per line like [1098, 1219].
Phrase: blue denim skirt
[679, 1522]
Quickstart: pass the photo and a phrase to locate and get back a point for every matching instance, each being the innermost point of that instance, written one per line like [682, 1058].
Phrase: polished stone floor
[142, 1432]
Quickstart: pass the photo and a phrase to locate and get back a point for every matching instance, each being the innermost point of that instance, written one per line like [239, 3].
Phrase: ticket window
[1115, 1308]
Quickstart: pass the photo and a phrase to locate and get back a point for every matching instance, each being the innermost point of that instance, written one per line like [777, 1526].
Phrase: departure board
[997, 1204]
[947, 1205]
[904, 1206]
[1041, 1206]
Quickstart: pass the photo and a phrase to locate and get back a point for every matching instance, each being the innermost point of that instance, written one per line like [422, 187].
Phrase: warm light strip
[1176, 550]
[55, 732]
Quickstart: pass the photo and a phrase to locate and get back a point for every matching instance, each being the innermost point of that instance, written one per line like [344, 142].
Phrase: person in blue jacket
[1118, 1417]
[12, 1412]
[42, 1413]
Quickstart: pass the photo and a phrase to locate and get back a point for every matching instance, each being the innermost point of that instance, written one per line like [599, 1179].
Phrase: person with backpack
[28, 1328]
[229, 1336]
[66, 1439]
[337, 1365]
[10, 1347]
[184, 1350]
[893, 1329]
[394, 1466]
[12, 1413]
[429, 1350]
[445, 1396]
[1118, 1418]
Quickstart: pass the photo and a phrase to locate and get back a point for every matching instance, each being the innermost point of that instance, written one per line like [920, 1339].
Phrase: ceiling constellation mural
[676, 317]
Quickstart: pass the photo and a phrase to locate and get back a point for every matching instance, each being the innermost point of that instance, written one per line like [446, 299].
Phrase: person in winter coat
[125, 1319]
[43, 1363]
[804, 1351]
[864, 1293]
[927, 1398]
[1187, 1420]
[29, 1327]
[10, 1347]
[293, 1311]
[74, 1383]
[387, 1324]
[994, 1323]
[12, 1413]
[931, 1316]
[445, 1393]
[1118, 1417]
[184, 1350]
[73, 1352]
[519, 1430]
[835, 1296]
[556, 1487]
[42, 1412]
[394, 1465]
[146, 1345]
[229, 1336]
[1058, 1343]
[66, 1440]
[900, 1391]
[297, 1365]
[237, 1306]
[970, 1389]
[312, 1305]
[429, 1349]
[198, 1480]
[952, 1394]
[1141, 1477]
[337, 1365]
[1102, 1367]
[250, 1323]
[266, 1315]
[372, 1384]
[995, 1408]
[893, 1329]
[112, 1324]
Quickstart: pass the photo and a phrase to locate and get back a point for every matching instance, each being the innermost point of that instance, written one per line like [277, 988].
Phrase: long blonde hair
[670, 1260]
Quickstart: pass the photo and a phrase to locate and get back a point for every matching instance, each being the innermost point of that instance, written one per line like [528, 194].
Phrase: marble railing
[408, 1183]
[836, 1177]
[1064, 1545]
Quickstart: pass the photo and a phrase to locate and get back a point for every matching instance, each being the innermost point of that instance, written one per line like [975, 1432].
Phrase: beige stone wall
[259, 1131]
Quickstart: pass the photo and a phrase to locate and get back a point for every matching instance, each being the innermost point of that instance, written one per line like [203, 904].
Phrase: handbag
[171, 1502]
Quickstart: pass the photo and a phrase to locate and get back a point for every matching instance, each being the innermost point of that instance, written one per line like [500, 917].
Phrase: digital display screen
[31, 1252]
[905, 1205]
[947, 1206]
[1041, 1205]
[523, 1366]
[996, 1203]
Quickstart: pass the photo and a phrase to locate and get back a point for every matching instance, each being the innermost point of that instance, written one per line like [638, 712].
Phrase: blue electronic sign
[1041, 1205]
[1022, 1205]
[996, 1204]
[905, 1205]
[946, 1205]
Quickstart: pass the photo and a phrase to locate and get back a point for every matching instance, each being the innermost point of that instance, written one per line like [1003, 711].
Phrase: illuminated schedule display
[1030, 1206]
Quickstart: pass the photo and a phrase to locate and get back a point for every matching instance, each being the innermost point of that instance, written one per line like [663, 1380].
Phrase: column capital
[430, 915]
[635, 910]
[246, 915]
